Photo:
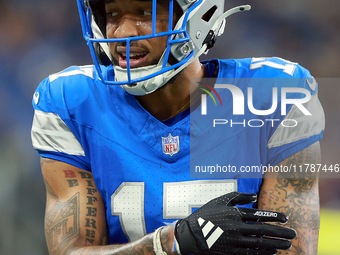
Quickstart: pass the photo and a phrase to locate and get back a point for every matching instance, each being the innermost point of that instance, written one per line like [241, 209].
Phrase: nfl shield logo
[170, 145]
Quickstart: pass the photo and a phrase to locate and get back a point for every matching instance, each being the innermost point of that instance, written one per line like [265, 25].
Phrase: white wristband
[157, 245]
[176, 247]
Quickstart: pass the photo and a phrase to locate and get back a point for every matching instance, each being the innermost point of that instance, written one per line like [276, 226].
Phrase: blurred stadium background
[39, 37]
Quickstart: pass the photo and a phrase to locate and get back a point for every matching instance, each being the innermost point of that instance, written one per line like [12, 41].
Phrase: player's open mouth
[136, 59]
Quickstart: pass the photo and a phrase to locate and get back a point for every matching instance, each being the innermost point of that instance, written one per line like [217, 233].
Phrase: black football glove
[219, 227]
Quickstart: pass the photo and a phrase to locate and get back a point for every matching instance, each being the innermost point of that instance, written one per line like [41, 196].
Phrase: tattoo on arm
[167, 238]
[46, 161]
[62, 224]
[50, 192]
[296, 194]
[70, 175]
[90, 223]
[143, 246]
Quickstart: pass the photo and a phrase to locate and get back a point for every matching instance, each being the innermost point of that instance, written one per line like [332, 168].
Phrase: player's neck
[176, 97]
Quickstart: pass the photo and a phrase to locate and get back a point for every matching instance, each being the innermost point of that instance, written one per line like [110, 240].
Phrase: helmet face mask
[193, 33]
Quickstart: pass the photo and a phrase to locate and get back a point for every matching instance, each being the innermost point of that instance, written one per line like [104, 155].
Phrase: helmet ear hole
[208, 15]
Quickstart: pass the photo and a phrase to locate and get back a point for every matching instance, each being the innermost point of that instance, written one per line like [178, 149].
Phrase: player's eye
[112, 14]
[145, 12]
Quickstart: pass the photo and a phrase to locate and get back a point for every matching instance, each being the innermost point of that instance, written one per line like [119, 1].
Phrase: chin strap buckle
[210, 40]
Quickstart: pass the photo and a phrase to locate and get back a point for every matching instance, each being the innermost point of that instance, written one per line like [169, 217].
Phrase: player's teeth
[132, 55]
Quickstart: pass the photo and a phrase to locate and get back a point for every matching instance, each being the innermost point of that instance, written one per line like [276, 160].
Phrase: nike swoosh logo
[36, 97]
[313, 84]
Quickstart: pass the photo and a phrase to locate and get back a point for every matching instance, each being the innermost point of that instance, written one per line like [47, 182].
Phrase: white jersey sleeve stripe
[50, 133]
[85, 70]
[307, 126]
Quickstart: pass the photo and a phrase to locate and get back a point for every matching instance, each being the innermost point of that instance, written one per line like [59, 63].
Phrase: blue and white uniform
[141, 166]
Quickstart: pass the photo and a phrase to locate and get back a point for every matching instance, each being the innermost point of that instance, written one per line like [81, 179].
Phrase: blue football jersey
[150, 173]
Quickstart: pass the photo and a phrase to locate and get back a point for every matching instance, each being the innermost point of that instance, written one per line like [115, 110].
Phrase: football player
[118, 140]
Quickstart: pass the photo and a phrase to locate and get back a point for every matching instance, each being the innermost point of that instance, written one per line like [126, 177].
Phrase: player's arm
[297, 195]
[75, 220]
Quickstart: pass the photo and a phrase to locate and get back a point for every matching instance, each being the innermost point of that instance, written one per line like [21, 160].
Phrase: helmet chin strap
[142, 87]
[148, 86]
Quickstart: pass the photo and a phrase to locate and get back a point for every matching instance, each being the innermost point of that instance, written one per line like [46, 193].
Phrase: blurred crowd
[40, 37]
